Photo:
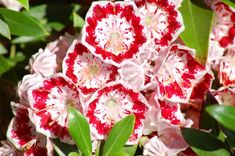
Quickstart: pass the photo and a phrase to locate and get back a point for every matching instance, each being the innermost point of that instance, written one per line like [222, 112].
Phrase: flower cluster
[221, 57]
[126, 61]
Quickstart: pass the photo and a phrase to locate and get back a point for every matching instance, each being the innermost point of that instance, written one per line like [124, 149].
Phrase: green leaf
[24, 3]
[197, 23]
[223, 114]
[80, 131]
[120, 153]
[219, 152]
[3, 50]
[74, 154]
[78, 21]
[204, 144]
[130, 150]
[228, 2]
[27, 39]
[21, 24]
[119, 135]
[4, 29]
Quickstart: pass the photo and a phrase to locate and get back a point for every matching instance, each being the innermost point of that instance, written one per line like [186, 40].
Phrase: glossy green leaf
[24, 3]
[230, 3]
[78, 21]
[223, 114]
[197, 23]
[4, 29]
[203, 143]
[119, 135]
[80, 132]
[130, 150]
[21, 24]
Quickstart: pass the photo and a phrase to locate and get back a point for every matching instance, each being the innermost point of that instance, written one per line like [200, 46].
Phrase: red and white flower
[49, 100]
[223, 29]
[179, 75]
[163, 22]
[22, 133]
[23, 86]
[85, 70]
[227, 68]
[112, 103]
[113, 31]
[223, 32]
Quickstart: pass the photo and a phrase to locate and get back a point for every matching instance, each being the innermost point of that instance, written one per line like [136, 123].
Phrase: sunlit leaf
[223, 114]
[119, 135]
[4, 29]
[80, 131]
[78, 21]
[21, 24]
[197, 23]
[24, 3]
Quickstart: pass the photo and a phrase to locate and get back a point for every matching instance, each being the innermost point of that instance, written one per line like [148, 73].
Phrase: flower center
[115, 44]
[93, 69]
[111, 103]
[149, 20]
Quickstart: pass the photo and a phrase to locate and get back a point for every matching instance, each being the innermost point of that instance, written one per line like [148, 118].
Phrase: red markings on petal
[112, 103]
[113, 31]
[85, 70]
[49, 100]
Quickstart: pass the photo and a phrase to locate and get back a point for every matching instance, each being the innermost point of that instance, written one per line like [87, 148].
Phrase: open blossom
[85, 70]
[22, 133]
[227, 68]
[49, 100]
[162, 21]
[43, 62]
[110, 104]
[113, 31]
[179, 75]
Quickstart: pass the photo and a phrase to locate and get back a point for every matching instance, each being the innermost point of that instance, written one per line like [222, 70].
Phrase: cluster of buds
[126, 61]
